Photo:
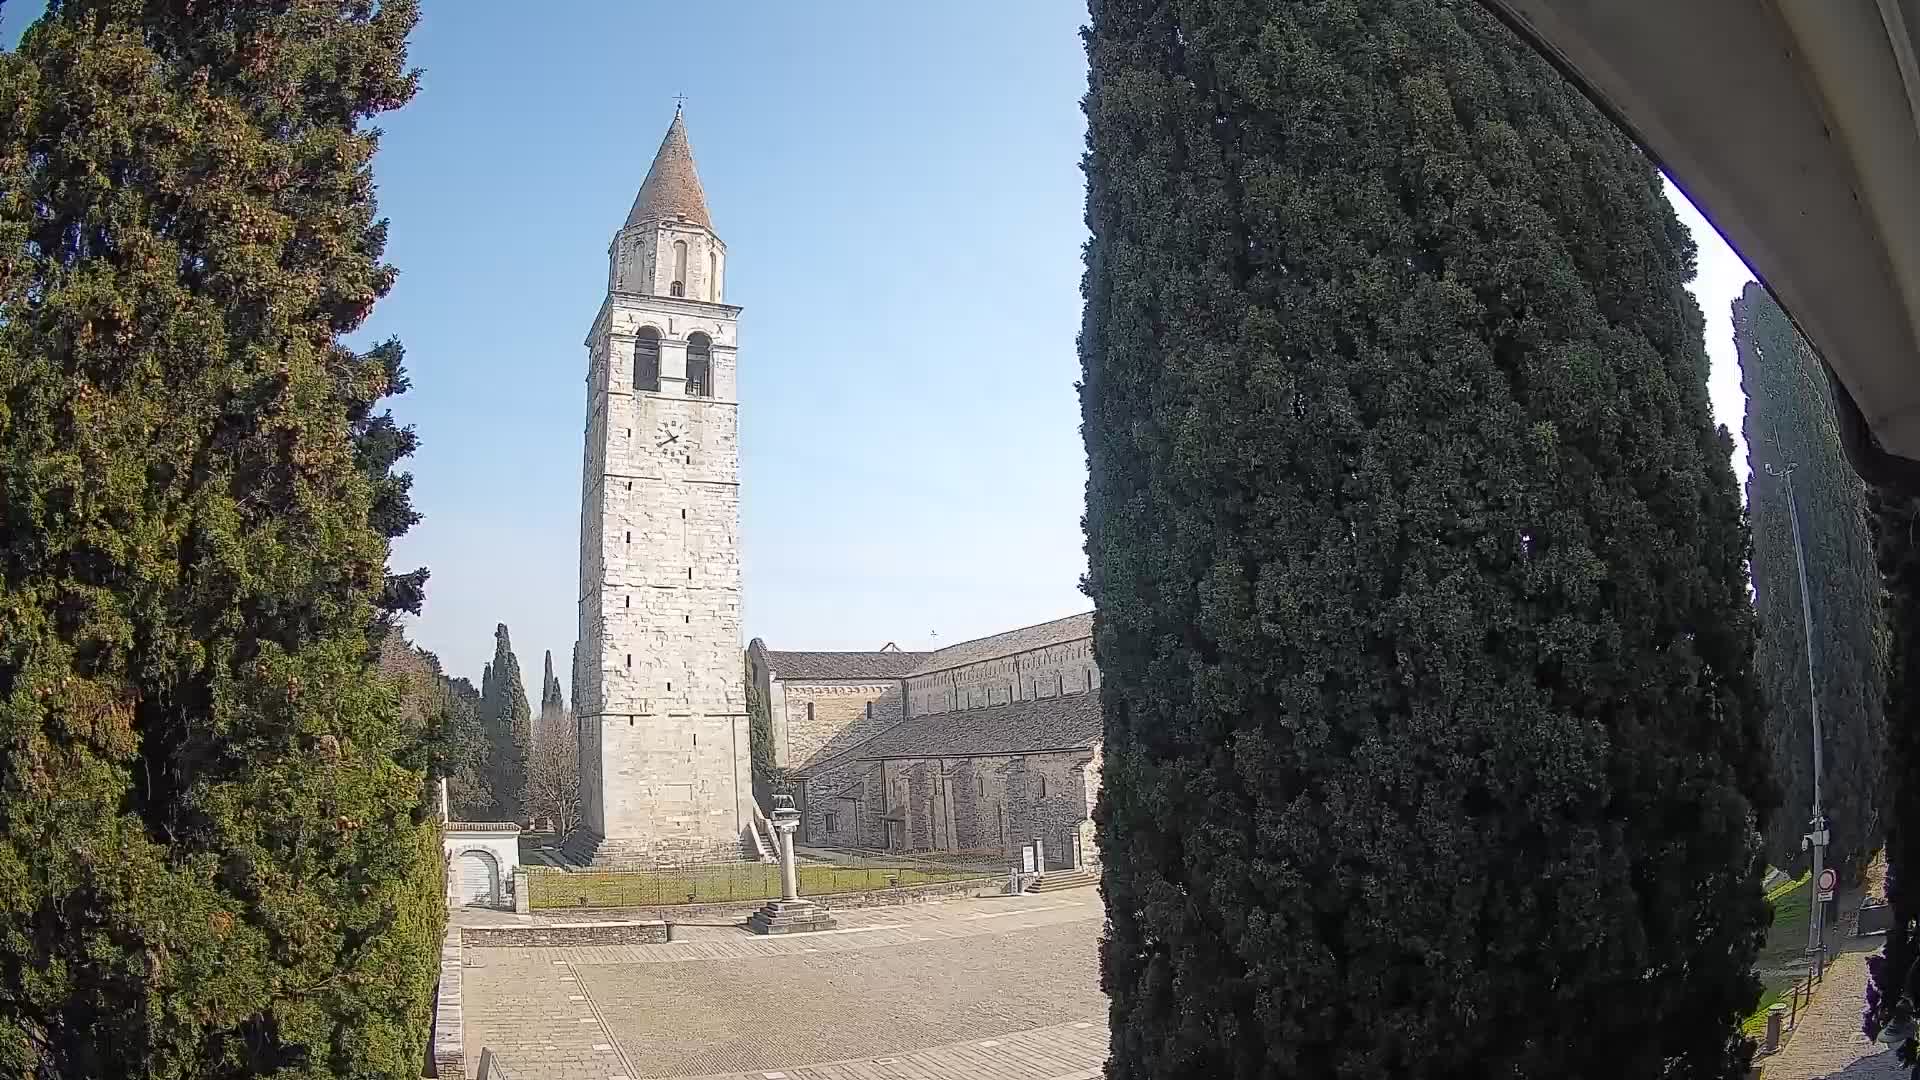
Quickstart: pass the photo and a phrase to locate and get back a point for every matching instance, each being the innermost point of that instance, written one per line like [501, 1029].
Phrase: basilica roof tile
[1025, 639]
[672, 188]
[1071, 722]
[842, 666]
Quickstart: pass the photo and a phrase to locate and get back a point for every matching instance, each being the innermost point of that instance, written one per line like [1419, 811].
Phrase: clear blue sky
[899, 189]
[898, 185]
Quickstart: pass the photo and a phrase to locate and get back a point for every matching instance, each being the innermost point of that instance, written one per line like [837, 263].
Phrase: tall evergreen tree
[510, 730]
[1790, 422]
[1432, 745]
[1894, 990]
[215, 857]
[553, 706]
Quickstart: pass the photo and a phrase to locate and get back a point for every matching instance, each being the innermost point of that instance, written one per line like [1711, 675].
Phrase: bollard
[1776, 1018]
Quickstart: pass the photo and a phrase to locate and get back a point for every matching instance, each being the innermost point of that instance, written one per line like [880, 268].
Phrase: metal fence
[551, 887]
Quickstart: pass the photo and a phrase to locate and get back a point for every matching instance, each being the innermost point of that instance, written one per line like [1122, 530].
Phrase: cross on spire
[679, 103]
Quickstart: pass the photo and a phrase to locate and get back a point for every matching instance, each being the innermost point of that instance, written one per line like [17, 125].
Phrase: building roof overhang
[1794, 126]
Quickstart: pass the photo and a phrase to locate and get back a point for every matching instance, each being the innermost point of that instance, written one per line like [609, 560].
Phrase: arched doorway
[479, 879]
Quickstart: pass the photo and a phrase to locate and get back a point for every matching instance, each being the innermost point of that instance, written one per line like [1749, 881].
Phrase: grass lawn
[740, 881]
[1782, 960]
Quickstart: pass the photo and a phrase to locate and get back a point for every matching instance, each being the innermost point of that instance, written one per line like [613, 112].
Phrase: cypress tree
[1790, 421]
[510, 730]
[1893, 993]
[1432, 746]
[553, 706]
[215, 858]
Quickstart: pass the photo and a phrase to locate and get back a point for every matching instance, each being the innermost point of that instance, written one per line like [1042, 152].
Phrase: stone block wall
[854, 824]
[660, 697]
[610, 932]
[818, 720]
[982, 804]
[1038, 673]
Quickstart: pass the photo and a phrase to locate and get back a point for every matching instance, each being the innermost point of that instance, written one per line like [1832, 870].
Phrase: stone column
[789, 914]
[785, 821]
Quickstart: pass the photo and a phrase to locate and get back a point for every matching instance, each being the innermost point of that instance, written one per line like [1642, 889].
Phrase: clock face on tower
[671, 435]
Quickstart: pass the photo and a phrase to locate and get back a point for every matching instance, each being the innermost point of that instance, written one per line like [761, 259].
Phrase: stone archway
[477, 879]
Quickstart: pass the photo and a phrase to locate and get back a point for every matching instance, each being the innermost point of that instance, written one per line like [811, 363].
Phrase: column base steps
[1056, 880]
[790, 917]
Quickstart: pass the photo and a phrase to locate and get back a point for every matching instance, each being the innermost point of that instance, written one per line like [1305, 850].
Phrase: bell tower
[661, 702]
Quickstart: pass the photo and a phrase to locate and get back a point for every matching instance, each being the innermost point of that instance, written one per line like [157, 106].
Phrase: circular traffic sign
[1828, 880]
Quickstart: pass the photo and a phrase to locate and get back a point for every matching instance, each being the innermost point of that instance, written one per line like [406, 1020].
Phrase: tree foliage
[554, 722]
[553, 769]
[553, 784]
[1432, 745]
[215, 858]
[1790, 421]
[1894, 989]
[450, 710]
[508, 723]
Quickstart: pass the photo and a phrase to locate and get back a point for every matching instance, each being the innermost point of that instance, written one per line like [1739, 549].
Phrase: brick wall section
[842, 716]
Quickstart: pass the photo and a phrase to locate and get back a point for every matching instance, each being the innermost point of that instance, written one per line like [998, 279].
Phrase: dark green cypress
[509, 723]
[1790, 421]
[1894, 990]
[215, 857]
[1432, 745]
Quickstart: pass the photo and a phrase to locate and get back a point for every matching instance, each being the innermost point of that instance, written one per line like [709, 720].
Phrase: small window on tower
[699, 365]
[629, 601]
[646, 361]
[679, 287]
[713, 276]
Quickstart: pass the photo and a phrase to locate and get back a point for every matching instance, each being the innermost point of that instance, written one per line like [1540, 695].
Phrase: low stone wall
[449, 1035]
[736, 912]
[621, 932]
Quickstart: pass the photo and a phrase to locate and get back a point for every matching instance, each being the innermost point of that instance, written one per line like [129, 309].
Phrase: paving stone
[1000, 990]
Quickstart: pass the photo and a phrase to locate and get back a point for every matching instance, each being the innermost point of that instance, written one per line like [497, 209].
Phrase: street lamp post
[1816, 839]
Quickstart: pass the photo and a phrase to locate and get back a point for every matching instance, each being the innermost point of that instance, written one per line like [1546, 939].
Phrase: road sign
[1825, 886]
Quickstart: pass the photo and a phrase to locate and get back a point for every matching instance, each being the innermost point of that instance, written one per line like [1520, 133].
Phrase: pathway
[1827, 1043]
[989, 988]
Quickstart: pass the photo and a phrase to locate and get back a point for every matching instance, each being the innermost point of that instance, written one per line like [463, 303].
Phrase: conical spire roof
[672, 188]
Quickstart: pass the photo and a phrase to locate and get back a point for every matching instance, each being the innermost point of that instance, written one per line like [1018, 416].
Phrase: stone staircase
[757, 841]
[1056, 880]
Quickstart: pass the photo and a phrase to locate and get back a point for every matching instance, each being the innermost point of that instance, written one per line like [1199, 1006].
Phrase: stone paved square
[977, 988]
